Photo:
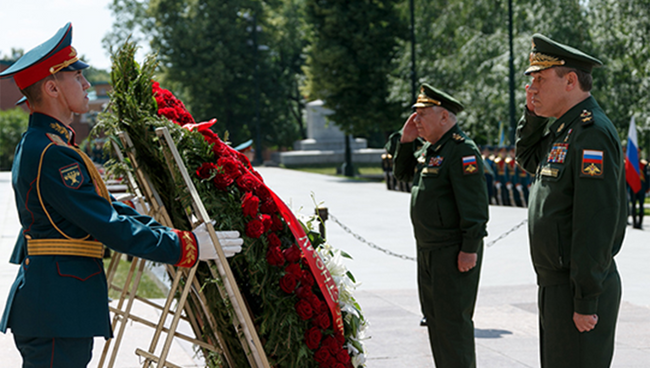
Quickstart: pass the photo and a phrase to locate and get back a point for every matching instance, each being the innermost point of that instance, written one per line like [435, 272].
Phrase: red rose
[340, 338]
[169, 112]
[331, 344]
[304, 309]
[277, 225]
[292, 254]
[205, 170]
[249, 204]
[312, 338]
[274, 256]
[320, 307]
[269, 206]
[266, 220]
[288, 283]
[304, 292]
[255, 229]
[343, 357]
[247, 183]
[307, 278]
[263, 193]
[294, 269]
[273, 240]
[222, 181]
[322, 320]
[230, 166]
[220, 149]
[322, 355]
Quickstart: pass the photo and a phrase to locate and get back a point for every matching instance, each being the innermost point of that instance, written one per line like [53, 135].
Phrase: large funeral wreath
[301, 322]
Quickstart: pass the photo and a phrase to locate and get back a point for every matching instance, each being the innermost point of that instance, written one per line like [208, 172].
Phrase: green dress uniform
[577, 220]
[449, 213]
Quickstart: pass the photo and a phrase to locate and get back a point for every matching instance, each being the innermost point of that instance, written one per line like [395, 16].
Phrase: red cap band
[49, 66]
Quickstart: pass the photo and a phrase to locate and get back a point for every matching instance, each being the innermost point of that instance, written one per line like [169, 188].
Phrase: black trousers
[447, 298]
[48, 352]
[561, 344]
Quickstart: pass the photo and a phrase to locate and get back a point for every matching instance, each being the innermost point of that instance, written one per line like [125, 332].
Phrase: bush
[12, 125]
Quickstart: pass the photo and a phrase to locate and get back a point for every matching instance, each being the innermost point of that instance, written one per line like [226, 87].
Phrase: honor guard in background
[511, 174]
[449, 212]
[638, 198]
[501, 178]
[59, 299]
[488, 162]
[577, 211]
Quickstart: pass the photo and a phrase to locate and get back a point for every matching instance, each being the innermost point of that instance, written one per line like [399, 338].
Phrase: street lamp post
[513, 123]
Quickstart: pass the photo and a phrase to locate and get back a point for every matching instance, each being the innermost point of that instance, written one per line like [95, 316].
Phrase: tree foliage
[13, 123]
[359, 58]
[226, 59]
[351, 56]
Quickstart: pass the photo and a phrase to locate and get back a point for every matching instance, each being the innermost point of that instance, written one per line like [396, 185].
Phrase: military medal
[469, 165]
[558, 153]
[435, 161]
[592, 164]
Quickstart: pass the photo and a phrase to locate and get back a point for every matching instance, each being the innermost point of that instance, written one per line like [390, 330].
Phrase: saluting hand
[529, 99]
[466, 261]
[409, 131]
[585, 322]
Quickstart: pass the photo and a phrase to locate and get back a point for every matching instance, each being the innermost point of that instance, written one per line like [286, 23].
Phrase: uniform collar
[569, 117]
[445, 137]
[52, 126]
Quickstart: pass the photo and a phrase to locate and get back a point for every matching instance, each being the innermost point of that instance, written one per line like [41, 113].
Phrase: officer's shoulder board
[56, 139]
[586, 118]
[458, 138]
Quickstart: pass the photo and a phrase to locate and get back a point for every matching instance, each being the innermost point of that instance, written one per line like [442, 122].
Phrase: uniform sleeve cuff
[585, 306]
[189, 248]
[471, 245]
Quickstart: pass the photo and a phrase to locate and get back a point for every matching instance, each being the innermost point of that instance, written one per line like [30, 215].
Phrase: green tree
[351, 56]
[208, 57]
[621, 31]
[13, 123]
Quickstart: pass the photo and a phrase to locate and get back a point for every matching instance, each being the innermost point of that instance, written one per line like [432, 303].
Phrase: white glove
[230, 242]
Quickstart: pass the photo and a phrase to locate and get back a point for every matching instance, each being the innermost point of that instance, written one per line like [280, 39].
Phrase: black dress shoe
[423, 321]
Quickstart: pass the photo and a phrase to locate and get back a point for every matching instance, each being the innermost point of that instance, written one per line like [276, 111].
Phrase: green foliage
[208, 55]
[353, 45]
[13, 123]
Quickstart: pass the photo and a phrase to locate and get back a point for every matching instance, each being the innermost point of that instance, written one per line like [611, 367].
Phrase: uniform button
[27, 262]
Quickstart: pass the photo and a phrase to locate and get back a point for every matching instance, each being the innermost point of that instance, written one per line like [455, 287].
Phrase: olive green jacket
[577, 207]
[449, 202]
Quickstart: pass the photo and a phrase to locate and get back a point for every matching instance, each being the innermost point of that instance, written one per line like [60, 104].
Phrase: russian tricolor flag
[632, 172]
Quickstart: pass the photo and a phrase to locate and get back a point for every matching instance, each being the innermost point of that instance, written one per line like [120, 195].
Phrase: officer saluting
[449, 212]
[59, 299]
[577, 210]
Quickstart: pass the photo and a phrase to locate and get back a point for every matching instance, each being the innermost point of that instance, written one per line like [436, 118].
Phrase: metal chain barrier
[403, 256]
[491, 243]
[370, 244]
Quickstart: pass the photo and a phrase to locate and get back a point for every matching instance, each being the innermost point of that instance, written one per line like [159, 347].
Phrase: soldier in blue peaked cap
[59, 299]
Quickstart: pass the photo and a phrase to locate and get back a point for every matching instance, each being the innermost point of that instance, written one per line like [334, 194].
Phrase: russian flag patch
[469, 165]
[592, 164]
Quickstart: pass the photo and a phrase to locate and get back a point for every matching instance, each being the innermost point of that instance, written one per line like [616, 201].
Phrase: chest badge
[469, 165]
[435, 161]
[71, 176]
[558, 153]
[592, 164]
[422, 159]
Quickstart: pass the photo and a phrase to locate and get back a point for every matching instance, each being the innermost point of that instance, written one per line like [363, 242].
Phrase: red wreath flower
[254, 228]
[247, 183]
[274, 256]
[292, 254]
[250, 204]
[288, 283]
[205, 170]
[313, 337]
[304, 309]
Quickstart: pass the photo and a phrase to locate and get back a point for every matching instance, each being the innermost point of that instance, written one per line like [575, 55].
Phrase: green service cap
[547, 53]
[430, 96]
